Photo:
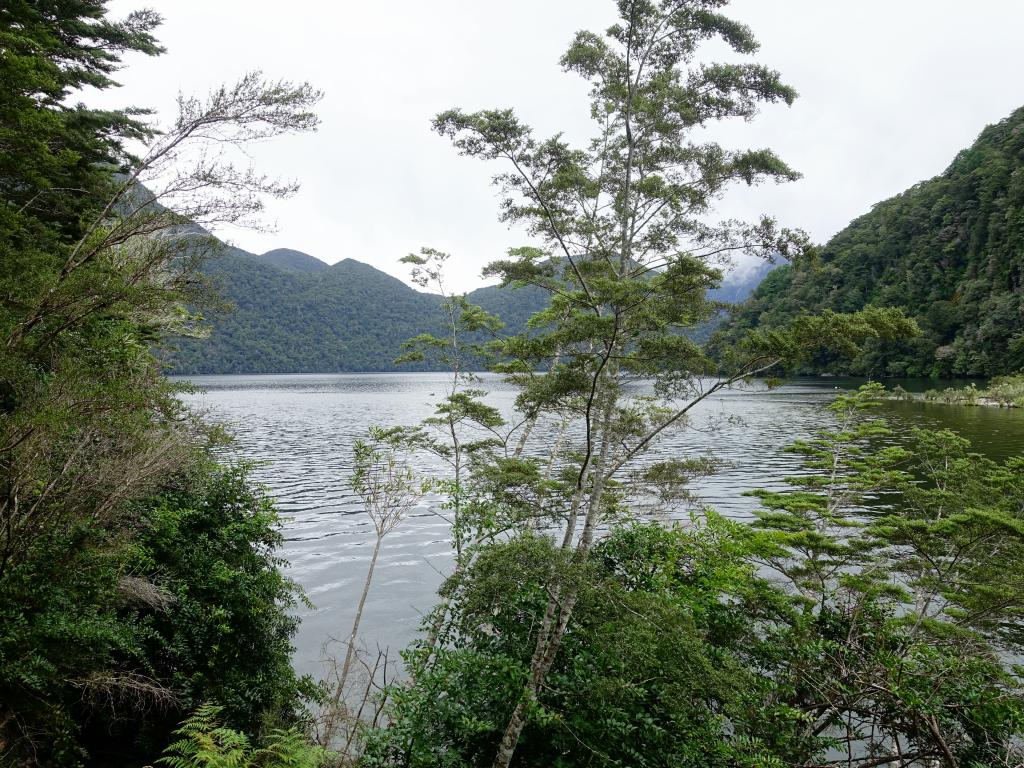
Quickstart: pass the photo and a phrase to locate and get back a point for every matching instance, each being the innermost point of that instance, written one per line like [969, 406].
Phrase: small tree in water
[387, 486]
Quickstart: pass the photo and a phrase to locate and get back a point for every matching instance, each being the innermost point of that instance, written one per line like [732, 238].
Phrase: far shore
[1001, 392]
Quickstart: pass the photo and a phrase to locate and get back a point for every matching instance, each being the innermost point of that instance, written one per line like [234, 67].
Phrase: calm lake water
[302, 428]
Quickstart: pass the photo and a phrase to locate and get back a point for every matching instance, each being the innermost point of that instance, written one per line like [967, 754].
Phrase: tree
[463, 427]
[57, 158]
[221, 626]
[628, 255]
[902, 566]
[386, 483]
[99, 248]
[869, 616]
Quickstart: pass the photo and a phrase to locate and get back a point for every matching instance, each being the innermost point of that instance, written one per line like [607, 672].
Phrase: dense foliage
[225, 632]
[949, 251]
[291, 313]
[835, 629]
[106, 643]
[649, 673]
[136, 575]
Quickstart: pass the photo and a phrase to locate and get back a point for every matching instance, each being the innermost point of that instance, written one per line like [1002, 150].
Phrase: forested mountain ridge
[344, 317]
[293, 313]
[293, 261]
[949, 251]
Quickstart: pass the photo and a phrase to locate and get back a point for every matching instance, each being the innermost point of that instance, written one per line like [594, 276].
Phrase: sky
[890, 91]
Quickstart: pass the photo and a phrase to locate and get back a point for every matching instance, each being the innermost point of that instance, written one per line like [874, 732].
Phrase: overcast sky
[890, 90]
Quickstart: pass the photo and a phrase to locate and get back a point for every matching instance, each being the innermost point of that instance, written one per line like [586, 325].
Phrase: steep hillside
[345, 317]
[949, 251]
[295, 314]
[293, 261]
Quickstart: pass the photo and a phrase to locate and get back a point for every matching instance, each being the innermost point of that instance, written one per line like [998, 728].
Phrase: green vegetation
[536, 655]
[345, 317]
[291, 313]
[203, 742]
[870, 615]
[833, 625]
[1003, 391]
[948, 251]
[137, 575]
[107, 639]
[225, 631]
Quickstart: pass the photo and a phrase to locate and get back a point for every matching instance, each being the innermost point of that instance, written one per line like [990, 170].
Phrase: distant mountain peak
[296, 314]
[290, 260]
[750, 271]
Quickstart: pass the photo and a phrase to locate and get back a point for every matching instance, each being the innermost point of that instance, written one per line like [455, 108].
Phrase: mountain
[737, 286]
[296, 314]
[949, 251]
[740, 282]
[344, 317]
[293, 261]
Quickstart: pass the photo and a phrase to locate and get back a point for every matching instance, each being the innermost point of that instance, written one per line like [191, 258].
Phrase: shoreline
[1001, 392]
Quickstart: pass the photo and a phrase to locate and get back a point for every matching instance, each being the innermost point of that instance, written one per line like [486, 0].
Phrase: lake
[302, 427]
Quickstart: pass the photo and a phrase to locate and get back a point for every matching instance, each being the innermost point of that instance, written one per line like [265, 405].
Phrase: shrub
[203, 742]
[105, 641]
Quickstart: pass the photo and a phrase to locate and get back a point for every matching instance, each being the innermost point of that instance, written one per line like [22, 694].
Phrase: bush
[652, 671]
[1007, 390]
[106, 641]
[203, 742]
[226, 636]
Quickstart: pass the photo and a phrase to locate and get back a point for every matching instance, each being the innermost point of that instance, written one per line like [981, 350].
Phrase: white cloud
[890, 91]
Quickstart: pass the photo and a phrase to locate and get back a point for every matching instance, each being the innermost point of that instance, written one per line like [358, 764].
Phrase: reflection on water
[302, 428]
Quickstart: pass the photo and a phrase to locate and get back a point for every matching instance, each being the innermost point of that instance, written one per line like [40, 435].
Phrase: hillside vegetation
[139, 574]
[949, 251]
[343, 317]
[292, 313]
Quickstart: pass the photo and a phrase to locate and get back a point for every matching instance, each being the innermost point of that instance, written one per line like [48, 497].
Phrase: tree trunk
[339, 692]
[559, 609]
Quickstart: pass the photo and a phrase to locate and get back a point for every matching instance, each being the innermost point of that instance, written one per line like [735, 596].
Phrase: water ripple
[301, 430]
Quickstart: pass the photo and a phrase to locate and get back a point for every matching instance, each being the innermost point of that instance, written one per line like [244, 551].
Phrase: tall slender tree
[628, 249]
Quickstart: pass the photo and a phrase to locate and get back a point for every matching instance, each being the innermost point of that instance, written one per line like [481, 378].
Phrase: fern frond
[204, 743]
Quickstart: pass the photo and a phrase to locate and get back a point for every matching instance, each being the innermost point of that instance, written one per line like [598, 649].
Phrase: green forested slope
[291, 260]
[287, 317]
[291, 316]
[949, 251]
[345, 317]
